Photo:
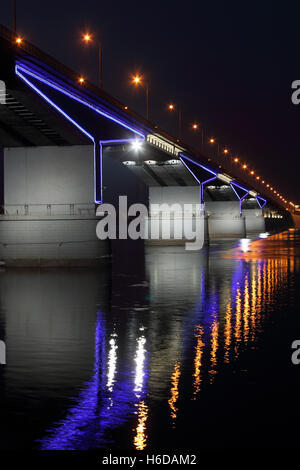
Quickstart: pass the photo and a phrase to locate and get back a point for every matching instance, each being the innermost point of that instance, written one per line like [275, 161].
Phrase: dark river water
[156, 349]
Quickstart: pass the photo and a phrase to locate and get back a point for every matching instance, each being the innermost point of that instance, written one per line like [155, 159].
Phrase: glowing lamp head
[81, 80]
[225, 151]
[252, 172]
[171, 107]
[244, 166]
[236, 160]
[87, 37]
[195, 126]
[136, 80]
[19, 40]
[136, 145]
[212, 141]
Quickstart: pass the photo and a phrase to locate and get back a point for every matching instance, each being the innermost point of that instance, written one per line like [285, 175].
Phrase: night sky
[229, 65]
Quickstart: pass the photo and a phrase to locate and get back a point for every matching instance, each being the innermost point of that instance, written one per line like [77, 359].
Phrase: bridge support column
[255, 221]
[225, 220]
[175, 214]
[49, 212]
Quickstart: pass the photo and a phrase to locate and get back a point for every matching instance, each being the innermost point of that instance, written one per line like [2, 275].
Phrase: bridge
[67, 147]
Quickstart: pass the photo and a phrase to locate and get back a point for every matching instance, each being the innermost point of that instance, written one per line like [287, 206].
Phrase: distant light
[195, 126]
[171, 107]
[212, 141]
[19, 40]
[81, 80]
[236, 160]
[225, 151]
[125, 107]
[244, 244]
[264, 235]
[244, 166]
[136, 145]
[136, 79]
[252, 172]
[87, 37]
[258, 177]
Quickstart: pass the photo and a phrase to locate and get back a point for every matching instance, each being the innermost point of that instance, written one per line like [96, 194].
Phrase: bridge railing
[49, 209]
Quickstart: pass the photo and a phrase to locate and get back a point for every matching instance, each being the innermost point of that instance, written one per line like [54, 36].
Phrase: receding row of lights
[137, 80]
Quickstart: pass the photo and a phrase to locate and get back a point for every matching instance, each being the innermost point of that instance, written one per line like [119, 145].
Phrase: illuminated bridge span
[67, 148]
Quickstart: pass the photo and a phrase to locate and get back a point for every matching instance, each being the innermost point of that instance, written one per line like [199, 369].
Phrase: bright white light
[112, 364]
[245, 243]
[264, 235]
[173, 162]
[139, 368]
[136, 145]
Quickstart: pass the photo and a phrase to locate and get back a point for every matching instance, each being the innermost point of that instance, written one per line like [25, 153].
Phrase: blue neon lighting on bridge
[97, 190]
[76, 98]
[182, 157]
[261, 205]
[234, 183]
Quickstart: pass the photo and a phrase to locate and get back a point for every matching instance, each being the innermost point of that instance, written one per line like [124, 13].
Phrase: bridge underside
[64, 150]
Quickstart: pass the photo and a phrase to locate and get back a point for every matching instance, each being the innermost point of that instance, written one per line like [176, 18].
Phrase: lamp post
[87, 38]
[138, 80]
[172, 107]
[212, 140]
[195, 127]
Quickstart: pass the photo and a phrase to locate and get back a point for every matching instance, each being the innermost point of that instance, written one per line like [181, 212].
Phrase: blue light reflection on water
[169, 333]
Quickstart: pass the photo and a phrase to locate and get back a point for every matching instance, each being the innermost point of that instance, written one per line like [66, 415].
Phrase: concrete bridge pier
[225, 219]
[254, 217]
[175, 216]
[48, 211]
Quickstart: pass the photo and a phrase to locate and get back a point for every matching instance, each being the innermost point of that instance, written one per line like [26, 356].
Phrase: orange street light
[19, 40]
[244, 166]
[236, 160]
[225, 151]
[88, 38]
[171, 107]
[81, 80]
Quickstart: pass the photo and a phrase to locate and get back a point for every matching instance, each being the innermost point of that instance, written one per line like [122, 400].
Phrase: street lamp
[195, 127]
[172, 107]
[138, 80]
[212, 140]
[88, 38]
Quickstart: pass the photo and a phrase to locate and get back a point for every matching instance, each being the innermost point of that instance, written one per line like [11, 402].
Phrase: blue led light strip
[232, 184]
[76, 98]
[259, 198]
[204, 168]
[97, 145]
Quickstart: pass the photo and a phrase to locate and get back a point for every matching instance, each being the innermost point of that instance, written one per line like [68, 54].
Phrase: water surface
[155, 350]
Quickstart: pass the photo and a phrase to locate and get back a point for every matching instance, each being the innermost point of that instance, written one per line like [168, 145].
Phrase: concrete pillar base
[165, 230]
[255, 221]
[228, 227]
[50, 241]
